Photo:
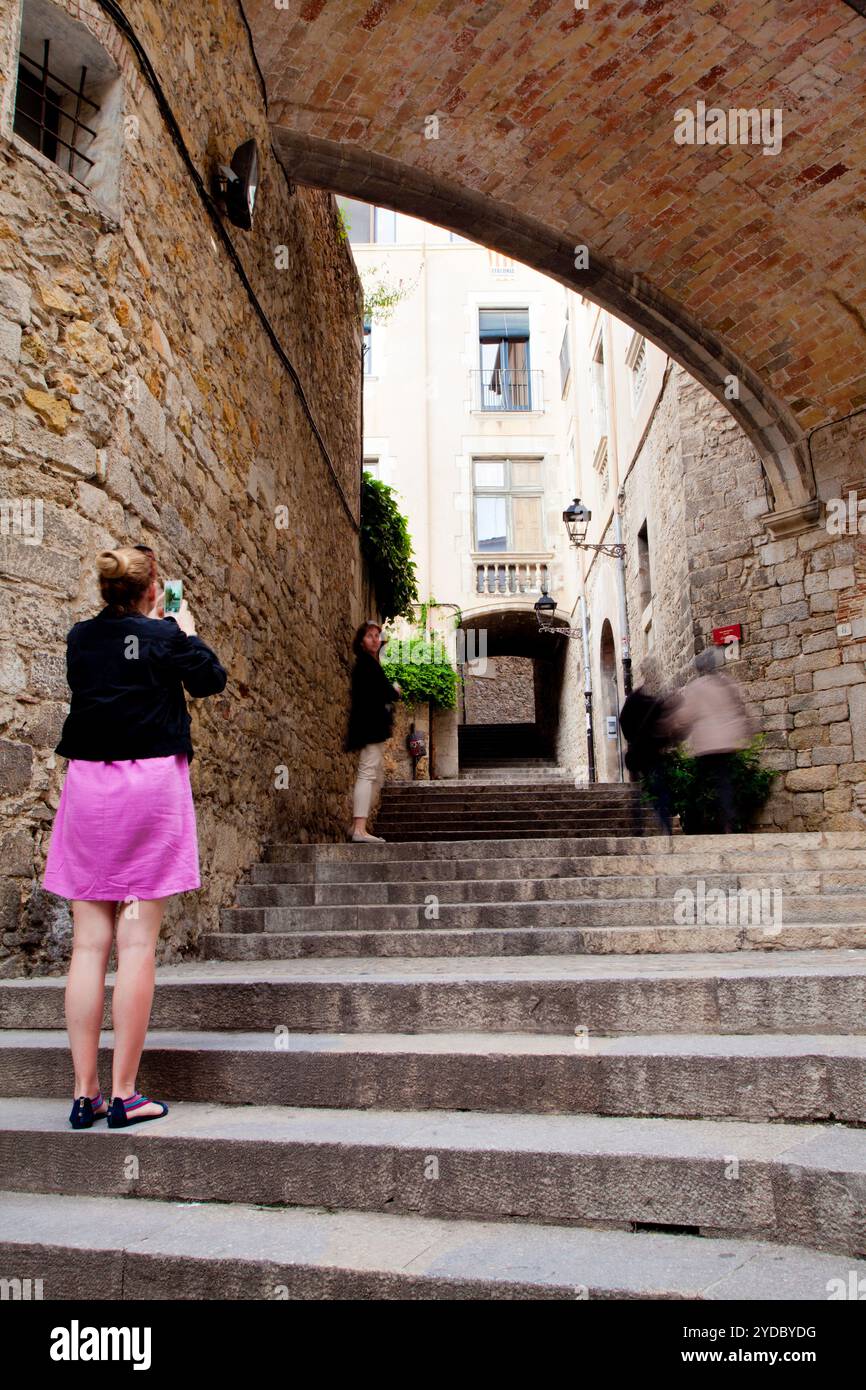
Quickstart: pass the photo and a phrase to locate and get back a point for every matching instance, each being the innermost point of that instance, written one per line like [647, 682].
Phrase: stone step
[754, 1077]
[552, 777]
[511, 775]
[598, 912]
[796, 1183]
[821, 866]
[394, 829]
[574, 819]
[568, 847]
[280, 894]
[496, 798]
[412, 835]
[816, 991]
[532, 941]
[108, 1248]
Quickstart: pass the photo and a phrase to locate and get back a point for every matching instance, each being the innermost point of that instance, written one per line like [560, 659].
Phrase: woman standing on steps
[371, 721]
[124, 836]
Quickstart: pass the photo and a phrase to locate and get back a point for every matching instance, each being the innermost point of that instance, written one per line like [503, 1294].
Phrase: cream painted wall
[420, 422]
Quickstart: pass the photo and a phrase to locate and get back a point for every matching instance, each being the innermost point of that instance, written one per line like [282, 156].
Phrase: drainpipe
[587, 688]
[623, 609]
[613, 455]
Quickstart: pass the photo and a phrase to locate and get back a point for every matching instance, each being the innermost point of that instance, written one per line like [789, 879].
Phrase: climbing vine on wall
[387, 550]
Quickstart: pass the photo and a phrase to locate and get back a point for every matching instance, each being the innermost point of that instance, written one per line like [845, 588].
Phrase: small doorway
[608, 735]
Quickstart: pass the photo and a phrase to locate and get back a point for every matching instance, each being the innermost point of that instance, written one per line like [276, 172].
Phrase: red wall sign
[723, 635]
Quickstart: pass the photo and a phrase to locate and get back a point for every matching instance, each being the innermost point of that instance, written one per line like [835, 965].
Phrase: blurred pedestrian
[712, 714]
[643, 721]
[124, 835]
[371, 723]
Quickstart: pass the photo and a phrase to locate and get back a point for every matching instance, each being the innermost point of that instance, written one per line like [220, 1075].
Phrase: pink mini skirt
[124, 830]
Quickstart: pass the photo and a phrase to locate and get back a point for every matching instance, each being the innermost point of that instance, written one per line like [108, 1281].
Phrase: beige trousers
[371, 767]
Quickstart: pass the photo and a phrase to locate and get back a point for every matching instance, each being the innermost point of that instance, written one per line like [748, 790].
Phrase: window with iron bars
[54, 116]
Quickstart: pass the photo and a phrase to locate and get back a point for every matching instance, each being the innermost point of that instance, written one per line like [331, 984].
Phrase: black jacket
[641, 722]
[127, 677]
[371, 719]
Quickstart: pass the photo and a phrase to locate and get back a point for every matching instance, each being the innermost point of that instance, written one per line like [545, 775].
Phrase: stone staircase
[463, 1070]
[506, 753]
[522, 809]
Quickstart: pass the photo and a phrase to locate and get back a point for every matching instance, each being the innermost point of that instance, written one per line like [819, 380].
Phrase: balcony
[507, 391]
[526, 575]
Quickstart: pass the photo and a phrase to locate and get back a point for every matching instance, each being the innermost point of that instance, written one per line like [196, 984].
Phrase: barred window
[68, 98]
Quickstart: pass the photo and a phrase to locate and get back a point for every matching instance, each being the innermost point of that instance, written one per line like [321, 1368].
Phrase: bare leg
[93, 928]
[133, 993]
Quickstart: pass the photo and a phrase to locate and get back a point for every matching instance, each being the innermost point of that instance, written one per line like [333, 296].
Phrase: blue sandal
[122, 1112]
[83, 1111]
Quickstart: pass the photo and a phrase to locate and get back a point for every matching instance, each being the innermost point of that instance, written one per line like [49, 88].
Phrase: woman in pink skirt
[124, 837]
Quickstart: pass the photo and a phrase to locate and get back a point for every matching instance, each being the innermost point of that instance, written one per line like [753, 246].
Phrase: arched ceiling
[538, 128]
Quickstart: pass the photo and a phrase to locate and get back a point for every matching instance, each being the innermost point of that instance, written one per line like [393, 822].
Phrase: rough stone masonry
[143, 401]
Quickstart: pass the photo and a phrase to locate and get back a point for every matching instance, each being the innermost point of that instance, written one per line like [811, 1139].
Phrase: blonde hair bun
[111, 564]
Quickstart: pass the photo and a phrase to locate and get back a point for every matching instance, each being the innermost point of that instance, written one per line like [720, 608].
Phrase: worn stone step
[108, 1248]
[509, 823]
[560, 804]
[413, 836]
[562, 912]
[799, 1184]
[363, 868]
[513, 777]
[570, 846]
[720, 993]
[278, 894]
[754, 1077]
[531, 941]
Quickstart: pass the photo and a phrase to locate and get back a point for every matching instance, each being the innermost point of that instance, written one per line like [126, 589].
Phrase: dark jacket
[127, 676]
[371, 719]
[642, 722]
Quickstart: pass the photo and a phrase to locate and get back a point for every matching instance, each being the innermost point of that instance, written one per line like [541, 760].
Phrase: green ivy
[693, 799]
[381, 294]
[387, 550]
[422, 670]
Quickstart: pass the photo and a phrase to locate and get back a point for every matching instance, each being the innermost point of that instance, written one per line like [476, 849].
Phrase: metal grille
[51, 125]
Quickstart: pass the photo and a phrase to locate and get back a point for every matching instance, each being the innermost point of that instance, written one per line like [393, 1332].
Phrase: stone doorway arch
[608, 755]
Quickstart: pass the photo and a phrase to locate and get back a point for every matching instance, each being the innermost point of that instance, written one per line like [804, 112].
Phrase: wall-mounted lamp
[236, 186]
[545, 612]
[577, 518]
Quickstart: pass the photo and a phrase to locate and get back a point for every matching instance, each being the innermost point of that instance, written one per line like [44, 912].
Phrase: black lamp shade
[577, 518]
[242, 189]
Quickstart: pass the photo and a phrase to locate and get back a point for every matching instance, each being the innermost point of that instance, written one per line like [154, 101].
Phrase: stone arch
[608, 748]
[375, 178]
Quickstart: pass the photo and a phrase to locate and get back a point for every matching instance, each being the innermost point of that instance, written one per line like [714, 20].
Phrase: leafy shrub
[422, 670]
[693, 797]
[387, 550]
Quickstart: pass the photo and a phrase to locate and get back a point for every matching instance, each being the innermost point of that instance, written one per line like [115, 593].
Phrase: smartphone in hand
[172, 597]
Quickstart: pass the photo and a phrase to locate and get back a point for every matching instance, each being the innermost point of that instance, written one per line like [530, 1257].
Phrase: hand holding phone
[184, 619]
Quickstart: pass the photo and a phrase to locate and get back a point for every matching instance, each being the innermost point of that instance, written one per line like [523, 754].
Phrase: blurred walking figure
[644, 722]
[124, 836]
[371, 722]
[711, 713]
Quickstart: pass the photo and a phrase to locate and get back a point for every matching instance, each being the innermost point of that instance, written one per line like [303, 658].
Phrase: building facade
[494, 396]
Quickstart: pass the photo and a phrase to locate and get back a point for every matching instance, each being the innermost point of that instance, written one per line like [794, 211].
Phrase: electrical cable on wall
[117, 16]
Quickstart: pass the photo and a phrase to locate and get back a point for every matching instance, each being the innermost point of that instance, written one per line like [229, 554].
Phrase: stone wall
[143, 400]
[654, 497]
[800, 599]
[503, 694]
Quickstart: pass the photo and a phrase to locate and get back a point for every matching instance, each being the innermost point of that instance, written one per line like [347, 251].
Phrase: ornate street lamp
[577, 518]
[545, 611]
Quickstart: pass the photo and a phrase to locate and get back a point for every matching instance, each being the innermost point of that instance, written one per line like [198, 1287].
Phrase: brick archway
[555, 129]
